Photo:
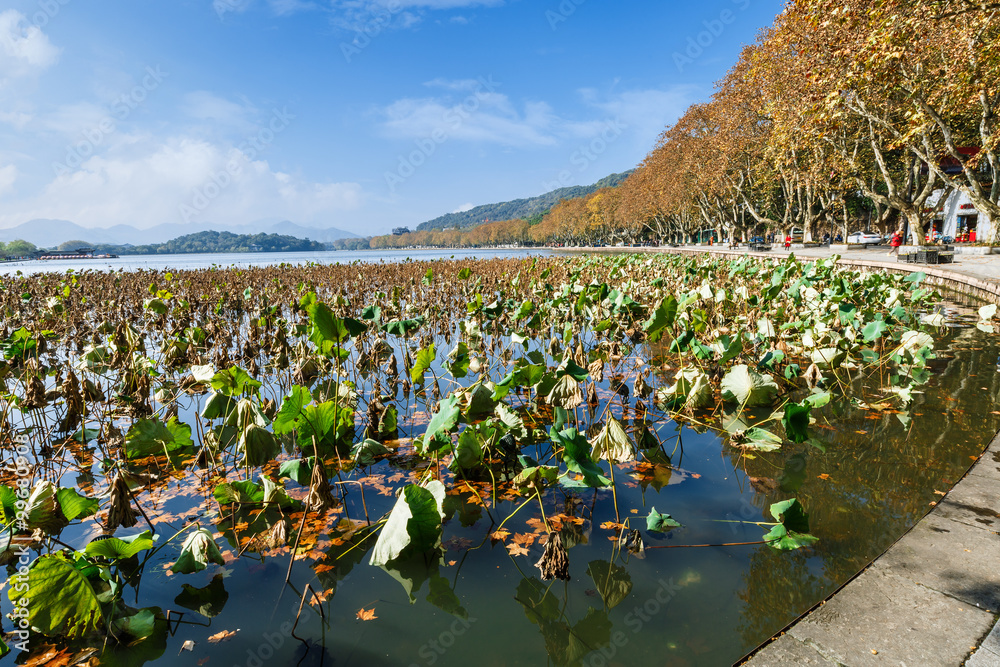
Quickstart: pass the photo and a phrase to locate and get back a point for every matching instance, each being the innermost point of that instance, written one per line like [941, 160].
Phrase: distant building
[956, 216]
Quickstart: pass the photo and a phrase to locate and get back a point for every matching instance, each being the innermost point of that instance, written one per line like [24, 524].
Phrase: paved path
[979, 266]
[932, 598]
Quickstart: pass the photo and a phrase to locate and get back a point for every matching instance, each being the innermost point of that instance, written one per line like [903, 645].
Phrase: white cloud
[283, 7]
[70, 119]
[464, 207]
[223, 7]
[8, 175]
[181, 180]
[645, 112]
[18, 119]
[484, 115]
[376, 15]
[441, 4]
[455, 84]
[217, 111]
[24, 49]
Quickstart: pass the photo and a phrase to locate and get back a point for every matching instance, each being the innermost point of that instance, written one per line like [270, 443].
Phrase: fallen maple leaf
[824, 476]
[499, 535]
[517, 550]
[225, 635]
[366, 614]
[320, 597]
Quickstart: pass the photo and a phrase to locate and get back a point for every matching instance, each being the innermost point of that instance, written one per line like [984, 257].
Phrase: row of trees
[17, 248]
[212, 241]
[843, 113]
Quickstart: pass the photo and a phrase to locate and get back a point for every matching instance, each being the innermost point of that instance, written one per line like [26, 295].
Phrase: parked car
[865, 237]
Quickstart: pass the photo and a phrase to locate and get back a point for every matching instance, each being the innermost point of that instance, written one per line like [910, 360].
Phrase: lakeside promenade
[932, 598]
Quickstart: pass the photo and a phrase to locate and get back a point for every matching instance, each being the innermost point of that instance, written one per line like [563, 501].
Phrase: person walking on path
[788, 242]
[895, 242]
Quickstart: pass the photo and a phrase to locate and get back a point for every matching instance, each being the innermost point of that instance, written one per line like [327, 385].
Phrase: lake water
[874, 474]
[208, 260]
[683, 607]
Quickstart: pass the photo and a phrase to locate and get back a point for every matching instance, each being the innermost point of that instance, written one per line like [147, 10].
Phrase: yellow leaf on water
[225, 635]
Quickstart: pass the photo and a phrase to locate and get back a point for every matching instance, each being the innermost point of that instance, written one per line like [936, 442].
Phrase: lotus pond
[594, 460]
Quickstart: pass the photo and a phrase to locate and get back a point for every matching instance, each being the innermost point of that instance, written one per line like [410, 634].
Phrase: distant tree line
[211, 241]
[352, 244]
[17, 248]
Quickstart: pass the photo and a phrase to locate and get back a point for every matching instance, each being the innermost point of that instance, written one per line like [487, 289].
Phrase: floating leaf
[792, 532]
[660, 523]
[364, 453]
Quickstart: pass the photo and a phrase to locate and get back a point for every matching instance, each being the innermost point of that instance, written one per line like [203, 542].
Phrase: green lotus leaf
[198, 550]
[747, 387]
[414, 523]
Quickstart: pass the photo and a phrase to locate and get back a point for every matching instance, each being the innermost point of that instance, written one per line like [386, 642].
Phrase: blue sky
[357, 114]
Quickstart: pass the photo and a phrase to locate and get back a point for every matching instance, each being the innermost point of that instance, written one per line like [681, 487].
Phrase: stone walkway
[932, 598]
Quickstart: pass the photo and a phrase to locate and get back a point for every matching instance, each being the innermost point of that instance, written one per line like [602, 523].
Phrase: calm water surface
[208, 260]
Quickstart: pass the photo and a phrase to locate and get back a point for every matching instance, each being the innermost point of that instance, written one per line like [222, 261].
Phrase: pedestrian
[895, 242]
[788, 241]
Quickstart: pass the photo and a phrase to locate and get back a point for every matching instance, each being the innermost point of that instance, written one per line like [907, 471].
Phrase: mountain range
[518, 208]
[50, 233]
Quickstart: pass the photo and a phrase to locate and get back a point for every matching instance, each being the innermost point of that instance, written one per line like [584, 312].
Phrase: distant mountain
[50, 233]
[518, 208]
